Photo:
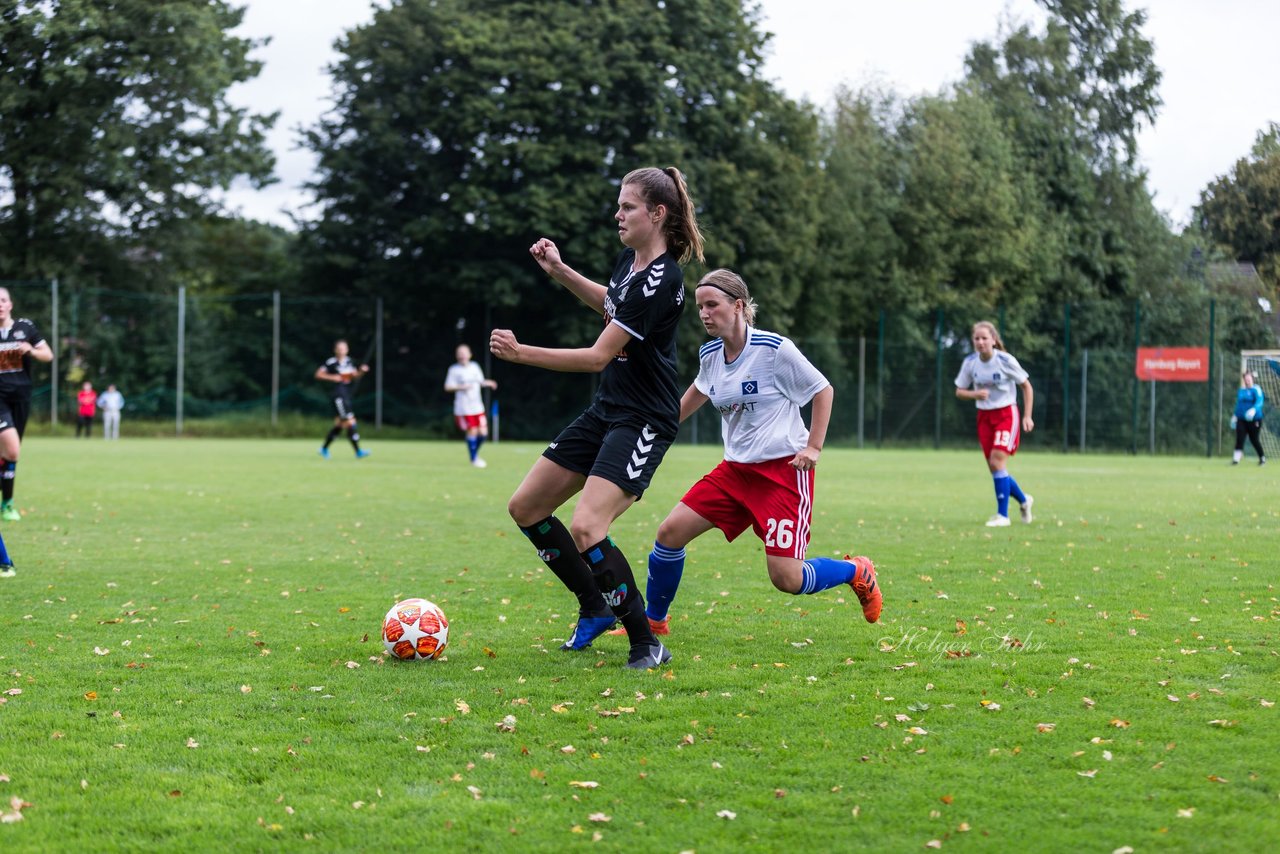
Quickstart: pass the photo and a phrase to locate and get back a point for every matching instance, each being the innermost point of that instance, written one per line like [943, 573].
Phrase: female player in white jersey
[465, 381]
[758, 381]
[991, 377]
[611, 451]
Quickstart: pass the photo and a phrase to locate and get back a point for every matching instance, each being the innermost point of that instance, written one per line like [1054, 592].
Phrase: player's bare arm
[972, 393]
[691, 402]
[40, 352]
[593, 359]
[807, 457]
[1028, 404]
[547, 254]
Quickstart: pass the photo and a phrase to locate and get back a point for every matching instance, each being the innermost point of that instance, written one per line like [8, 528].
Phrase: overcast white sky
[1221, 73]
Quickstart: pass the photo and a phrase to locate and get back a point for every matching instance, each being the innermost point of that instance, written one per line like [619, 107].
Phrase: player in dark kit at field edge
[611, 451]
[20, 341]
[342, 372]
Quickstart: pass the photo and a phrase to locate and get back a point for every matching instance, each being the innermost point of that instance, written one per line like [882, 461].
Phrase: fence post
[1137, 342]
[937, 383]
[377, 377]
[1208, 410]
[1151, 417]
[182, 343]
[862, 385]
[53, 366]
[1084, 394]
[275, 357]
[880, 382]
[1066, 377]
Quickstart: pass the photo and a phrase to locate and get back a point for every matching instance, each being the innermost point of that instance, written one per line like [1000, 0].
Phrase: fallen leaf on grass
[1266, 704]
[1214, 778]
[915, 730]
[990, 705]
[1045, 727]
[352, 665]
[561, 708]
[1187, 813]
[584, 784]
[728, 815]
[475, 793]
[1091, 773]
[1089, 704]
[507, 724]
[1119, 724]
[88, 695]
[97, 650]
[192, 743]
[933, 843]
[599, 816]
[1222, 723]
[14, 813]
[462, 707]
[568, 748]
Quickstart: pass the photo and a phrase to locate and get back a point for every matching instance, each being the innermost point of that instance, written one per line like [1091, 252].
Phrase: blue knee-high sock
[4, 554]
[666, 566]
[473, 446]
[1002, 480]
[1015, 491]
[823, 573]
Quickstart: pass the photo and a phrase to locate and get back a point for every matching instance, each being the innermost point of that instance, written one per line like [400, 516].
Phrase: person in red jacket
[87, 400]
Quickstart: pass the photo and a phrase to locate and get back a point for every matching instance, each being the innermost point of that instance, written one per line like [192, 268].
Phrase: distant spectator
[111, 402]
[87, 401]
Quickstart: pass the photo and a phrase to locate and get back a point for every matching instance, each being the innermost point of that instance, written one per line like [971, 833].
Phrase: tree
[1241, 210]
[462, 130]
[116, 121]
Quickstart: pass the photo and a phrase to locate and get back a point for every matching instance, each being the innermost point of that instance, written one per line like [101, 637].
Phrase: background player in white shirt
[758, 381]
[465, 381]
[610, 452]
[991, 377]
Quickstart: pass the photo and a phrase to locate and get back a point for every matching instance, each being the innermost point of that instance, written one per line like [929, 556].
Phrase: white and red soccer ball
[415, 630]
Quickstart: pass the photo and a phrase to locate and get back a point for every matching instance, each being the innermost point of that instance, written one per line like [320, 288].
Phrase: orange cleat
[658, 627]
[864, 585]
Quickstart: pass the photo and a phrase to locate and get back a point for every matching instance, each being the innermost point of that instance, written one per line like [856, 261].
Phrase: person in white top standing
[990, 376]
[464, 381]
[758, 381]
[111, 402]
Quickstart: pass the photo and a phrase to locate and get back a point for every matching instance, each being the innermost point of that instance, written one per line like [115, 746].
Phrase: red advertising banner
[1173, 364]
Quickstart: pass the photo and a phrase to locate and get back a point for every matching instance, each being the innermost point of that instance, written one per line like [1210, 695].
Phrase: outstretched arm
[547, 254]
[691, 402]
[593, 359]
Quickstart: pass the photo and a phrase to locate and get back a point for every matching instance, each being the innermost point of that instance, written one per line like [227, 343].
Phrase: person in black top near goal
[20, 342]
[342, 372]
[611, 451]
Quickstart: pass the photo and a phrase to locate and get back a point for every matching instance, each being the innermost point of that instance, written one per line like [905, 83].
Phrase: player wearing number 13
[757, 381]
[991, 377]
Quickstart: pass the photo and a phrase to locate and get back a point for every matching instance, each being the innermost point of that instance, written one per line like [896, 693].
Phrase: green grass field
[191, 660]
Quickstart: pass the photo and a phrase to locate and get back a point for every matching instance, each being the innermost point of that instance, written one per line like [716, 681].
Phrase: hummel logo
[636, 467]
[655, 278]
[552, 446]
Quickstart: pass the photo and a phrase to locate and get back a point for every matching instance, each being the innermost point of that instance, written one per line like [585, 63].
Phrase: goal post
[1265, 367]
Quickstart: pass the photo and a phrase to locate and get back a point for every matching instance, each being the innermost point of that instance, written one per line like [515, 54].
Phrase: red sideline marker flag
[1173, 364]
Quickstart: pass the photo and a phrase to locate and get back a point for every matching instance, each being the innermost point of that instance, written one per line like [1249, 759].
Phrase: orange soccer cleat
[658, 627]
[864, 585]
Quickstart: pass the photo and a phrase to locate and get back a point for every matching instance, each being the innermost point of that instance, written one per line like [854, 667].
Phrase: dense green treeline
[463, 130]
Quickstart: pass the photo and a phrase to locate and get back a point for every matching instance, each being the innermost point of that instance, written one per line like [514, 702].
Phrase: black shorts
[620, 447]
[14, 411]
[342, 407]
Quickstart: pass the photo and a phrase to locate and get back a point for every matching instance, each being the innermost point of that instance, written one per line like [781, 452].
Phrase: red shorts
[466, 423]
[772, 498]
[999, 429]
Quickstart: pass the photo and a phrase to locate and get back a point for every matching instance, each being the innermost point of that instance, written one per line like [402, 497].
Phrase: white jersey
[1000, 376]
[468, 400]
[759, 395]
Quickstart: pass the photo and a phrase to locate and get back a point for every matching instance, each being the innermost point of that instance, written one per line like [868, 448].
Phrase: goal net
[1265, 366]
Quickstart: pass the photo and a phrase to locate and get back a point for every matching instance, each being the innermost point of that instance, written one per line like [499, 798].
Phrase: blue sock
[472, 446]
[1002, 480]
[823, 573]
[1016, 492]
[4, 554]
[666, 566]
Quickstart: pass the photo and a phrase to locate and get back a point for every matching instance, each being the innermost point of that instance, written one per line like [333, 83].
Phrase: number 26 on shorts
[781, 533]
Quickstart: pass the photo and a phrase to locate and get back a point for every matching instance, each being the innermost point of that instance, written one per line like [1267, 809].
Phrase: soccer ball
[415, 630]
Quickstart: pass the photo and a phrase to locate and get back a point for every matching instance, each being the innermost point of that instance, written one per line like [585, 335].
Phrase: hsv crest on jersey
[750, 387]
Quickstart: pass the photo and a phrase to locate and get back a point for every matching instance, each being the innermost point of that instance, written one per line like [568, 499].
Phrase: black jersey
[15, 370]
[646, 303]
[345, 368]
